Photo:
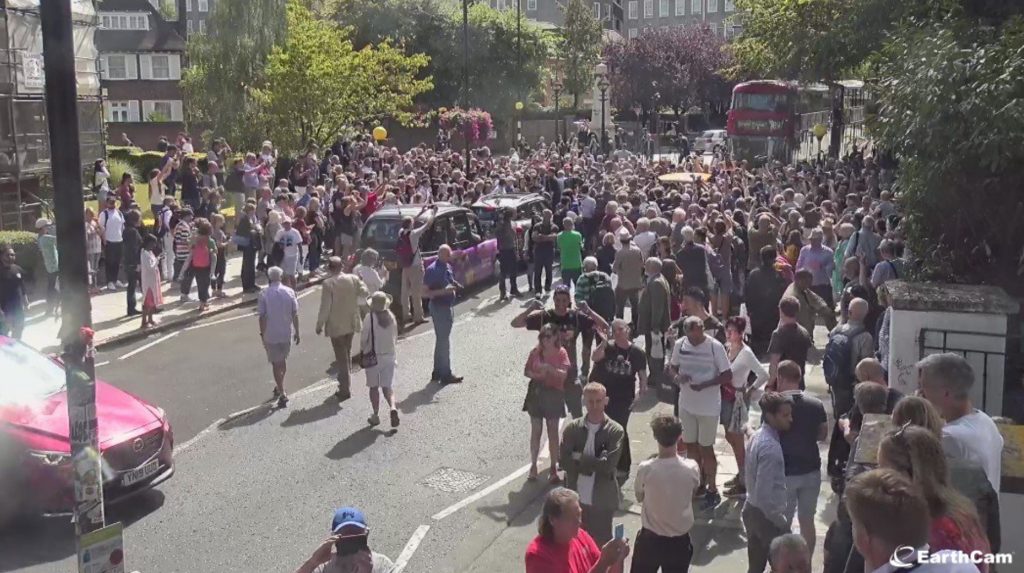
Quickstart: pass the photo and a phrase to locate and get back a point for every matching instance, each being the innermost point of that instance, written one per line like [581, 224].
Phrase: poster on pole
[102, 551]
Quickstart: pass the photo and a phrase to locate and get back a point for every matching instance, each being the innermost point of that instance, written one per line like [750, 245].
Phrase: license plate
[139, 474]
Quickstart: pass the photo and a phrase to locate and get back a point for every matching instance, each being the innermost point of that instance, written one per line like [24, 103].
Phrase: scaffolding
[25, 189]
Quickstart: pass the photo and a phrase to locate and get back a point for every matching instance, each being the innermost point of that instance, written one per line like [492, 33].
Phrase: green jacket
[608, 444]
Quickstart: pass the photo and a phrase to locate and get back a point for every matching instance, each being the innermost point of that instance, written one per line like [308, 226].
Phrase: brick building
[141, 58]
[645, 15]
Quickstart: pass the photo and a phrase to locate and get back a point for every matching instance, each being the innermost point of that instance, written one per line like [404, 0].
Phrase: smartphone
[620, 531]
[351, 544]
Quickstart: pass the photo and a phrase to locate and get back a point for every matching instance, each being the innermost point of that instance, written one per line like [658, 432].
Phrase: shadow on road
[421, 397]
[250, 418]
[45, 540]
[356, 442]
[326, 409]
[521, 508]
[711, 542]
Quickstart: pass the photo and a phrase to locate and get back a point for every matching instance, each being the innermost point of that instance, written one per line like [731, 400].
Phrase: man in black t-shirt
[543, 236]
[570, 323]
[790, 341]
[618, 364]
[695, 304]
[13, 298]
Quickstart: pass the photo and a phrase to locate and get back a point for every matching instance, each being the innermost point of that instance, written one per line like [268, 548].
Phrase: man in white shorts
[700, 366]
[278, 311]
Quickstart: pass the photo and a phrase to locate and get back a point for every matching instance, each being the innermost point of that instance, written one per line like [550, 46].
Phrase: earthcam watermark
[906, 557]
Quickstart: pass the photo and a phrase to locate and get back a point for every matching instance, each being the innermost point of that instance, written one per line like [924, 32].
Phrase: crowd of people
[731, 269]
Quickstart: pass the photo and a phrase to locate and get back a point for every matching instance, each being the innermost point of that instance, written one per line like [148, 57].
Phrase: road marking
[98, 364]
[306, 292]
[481, 494]
[221, 321]
[410, 547]
[178, 450]
[150, 345]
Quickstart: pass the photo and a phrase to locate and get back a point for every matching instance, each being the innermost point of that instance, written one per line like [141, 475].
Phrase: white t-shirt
[585, 484]
[112, 222]
[665, 487]
[374, 282]
[156, 192]
[976, 439]
[745, 363]
[702, 363]
[290, 240]
[587, 207]
[645, 241]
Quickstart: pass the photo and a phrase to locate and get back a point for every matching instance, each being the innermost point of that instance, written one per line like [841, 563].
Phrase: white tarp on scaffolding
[26, 42]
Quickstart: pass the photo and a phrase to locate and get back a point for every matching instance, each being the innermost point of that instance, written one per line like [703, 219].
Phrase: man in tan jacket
[340, 320]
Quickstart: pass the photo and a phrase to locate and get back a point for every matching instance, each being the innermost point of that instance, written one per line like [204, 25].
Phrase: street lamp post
[601, 72]
[465, 70]
[519, 125]
[556, 87]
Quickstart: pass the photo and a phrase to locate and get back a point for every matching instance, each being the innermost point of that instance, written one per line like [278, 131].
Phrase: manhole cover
[451, 480]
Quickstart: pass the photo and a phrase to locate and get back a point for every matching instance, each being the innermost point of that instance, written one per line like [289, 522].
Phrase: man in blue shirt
[764, 512]
[441, 289]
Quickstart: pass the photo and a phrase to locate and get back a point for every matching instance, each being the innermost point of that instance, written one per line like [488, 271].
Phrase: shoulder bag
[369, 359]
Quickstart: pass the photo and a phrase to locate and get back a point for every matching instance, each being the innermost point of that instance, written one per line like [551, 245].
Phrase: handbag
[369, 359]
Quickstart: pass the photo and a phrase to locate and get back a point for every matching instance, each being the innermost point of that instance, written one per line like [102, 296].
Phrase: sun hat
[42, 222]
[379, 301]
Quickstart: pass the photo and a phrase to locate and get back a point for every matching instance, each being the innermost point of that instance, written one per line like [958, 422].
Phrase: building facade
[141, 59]
[197, 15]
[609, 12]
[25, 181]
[646, 15]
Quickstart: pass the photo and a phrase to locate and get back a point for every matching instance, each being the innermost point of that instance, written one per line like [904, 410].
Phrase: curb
[242, 301]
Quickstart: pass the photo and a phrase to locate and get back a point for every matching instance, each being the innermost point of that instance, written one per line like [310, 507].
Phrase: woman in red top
[562, 546]
[546, 368]
[126, 192]
[916, 452]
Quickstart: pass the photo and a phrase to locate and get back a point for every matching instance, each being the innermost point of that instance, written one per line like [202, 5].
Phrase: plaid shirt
[587, 283]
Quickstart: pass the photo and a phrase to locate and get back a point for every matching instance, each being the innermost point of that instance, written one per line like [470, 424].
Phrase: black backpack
[602, 299]
[837, 363]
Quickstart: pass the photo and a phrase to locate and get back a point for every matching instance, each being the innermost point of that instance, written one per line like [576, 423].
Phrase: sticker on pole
[102, 551]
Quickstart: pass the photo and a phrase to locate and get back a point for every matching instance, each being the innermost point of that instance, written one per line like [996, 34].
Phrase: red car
[36, 475]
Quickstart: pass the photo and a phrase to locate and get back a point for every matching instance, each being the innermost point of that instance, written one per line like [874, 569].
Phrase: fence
[807, 145]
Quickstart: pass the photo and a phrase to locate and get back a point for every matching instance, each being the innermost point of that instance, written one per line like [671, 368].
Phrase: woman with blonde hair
[917, 411]
[916, 452]
[546, 367]
[378, 339]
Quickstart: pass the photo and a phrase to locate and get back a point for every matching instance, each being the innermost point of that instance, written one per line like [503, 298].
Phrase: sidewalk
[719, 543]
[112, 325]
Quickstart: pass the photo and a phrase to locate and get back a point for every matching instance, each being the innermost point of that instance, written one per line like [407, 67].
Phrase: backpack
[837, 363]
[404, 250]
[602, 299]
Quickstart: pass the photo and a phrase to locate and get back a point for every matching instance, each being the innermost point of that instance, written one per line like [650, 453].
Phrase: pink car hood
[44, 425]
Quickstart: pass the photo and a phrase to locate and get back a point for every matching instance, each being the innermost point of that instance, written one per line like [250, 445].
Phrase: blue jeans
[443, 318]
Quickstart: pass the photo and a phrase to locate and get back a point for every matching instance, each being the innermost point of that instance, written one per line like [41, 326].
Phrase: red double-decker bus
[762, 120]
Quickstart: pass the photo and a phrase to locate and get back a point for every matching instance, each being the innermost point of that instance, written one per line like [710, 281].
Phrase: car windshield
[761, 102]
[382, 234]
[27, 375]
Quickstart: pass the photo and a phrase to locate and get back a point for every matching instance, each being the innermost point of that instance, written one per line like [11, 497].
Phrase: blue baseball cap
[348, 516]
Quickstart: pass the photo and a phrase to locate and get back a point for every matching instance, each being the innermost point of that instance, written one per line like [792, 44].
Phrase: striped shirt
[182, 240]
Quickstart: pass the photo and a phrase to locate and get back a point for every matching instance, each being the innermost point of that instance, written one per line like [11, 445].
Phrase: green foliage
[226, 66]
[434, 28]
[951, 106]
[580, 45]
[117, 169]
[341, 86]
[121, 151]
[26, 249]
[157, 116]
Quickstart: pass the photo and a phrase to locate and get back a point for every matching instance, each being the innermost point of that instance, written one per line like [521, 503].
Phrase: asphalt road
[256, 493]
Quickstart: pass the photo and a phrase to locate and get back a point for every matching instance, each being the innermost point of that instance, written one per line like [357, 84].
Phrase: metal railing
[927, 344]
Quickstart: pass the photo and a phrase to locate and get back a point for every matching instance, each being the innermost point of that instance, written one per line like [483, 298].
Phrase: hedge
[146, 161]
[26, 250]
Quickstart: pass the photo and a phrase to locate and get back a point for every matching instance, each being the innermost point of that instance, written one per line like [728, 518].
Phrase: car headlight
[50, 458]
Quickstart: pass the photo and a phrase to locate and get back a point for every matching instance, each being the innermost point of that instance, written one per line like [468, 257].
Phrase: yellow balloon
[819, 130]
[379, 133]
[519, 105]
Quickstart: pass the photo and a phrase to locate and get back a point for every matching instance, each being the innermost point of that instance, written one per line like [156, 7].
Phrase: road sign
[102, 551]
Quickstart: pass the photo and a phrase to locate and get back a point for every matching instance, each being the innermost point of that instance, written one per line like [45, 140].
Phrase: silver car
[711, 141]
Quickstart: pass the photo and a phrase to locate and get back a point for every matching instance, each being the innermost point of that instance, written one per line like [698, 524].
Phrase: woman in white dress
[369, 269]
[379, 337]
[152, 297]
[735, 412]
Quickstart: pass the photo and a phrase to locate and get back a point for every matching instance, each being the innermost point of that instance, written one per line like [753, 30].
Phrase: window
[663, 8]
[680, 7]
[648, 8]
[696, 6]
[202, 26]
[124, 21]
[633, 33]
[634, 9]
[189, 26]
[160, 67]
[203, 5]
[162, 110]
[714, 28]
[531, 5]
[730, 6]
[597, 10]
[118, 111]
[118, 67]
[712, 6]
[188, 5]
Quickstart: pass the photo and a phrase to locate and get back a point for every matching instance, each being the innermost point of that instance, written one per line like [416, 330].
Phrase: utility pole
[465, 72]
[66, 166]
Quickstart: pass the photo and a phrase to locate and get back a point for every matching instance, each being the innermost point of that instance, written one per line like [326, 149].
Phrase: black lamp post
[556, 87]
[601, 72]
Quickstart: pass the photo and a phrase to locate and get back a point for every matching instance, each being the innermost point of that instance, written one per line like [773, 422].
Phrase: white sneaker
[110, 286]
[121, 284]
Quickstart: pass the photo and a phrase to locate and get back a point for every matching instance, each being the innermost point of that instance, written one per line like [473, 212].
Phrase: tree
[580, 46]
[678, 68]
[951, 108]
[226, 65]
[317, 84]
[434, 28]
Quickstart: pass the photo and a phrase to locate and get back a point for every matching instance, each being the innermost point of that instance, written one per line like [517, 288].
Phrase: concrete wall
[905, 350]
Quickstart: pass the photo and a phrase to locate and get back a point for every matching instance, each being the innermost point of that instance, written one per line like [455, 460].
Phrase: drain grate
[451, 480]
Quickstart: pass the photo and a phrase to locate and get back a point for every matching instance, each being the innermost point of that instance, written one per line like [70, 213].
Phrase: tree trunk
[575, 100]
